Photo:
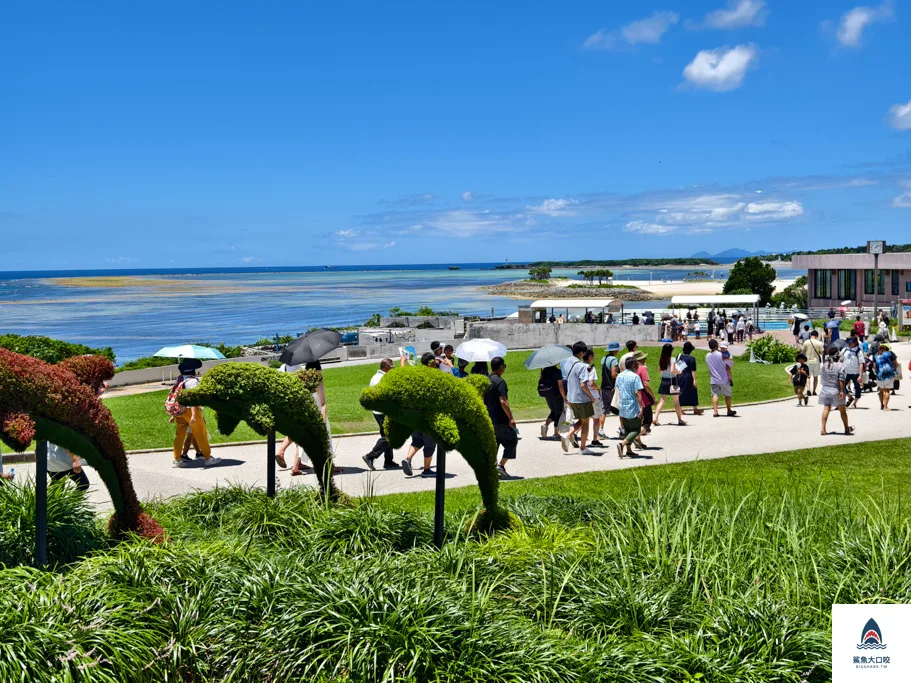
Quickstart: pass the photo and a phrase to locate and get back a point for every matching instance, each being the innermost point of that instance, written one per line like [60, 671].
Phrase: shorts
[508, 439]
[631, 425]
[598, 407]
[721, 390]
[813, 369]
[423, 441]
[607, 398]
[582, 411]
[885, 384]
[829, 397]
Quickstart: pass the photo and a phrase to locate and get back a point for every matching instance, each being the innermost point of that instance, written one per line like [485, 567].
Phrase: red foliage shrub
[49, 402]
[92, 371]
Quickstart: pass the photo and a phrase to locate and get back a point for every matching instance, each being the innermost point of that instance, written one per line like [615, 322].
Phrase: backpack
[171, 406]
[607, 382]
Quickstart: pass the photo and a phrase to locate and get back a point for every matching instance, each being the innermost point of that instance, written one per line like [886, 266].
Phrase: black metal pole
[270, 464]
[439, 499]
[41, 503]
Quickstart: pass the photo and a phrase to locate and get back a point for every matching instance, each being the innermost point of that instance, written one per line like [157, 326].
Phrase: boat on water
[455, 268]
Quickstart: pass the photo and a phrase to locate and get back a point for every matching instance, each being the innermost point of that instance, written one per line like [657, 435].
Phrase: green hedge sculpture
[268, 400]
[452, 411]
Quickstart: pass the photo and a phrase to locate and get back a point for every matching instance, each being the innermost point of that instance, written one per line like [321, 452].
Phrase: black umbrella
[311, 347]
[838, 344]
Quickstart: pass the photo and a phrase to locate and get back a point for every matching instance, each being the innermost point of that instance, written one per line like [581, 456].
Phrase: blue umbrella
[547, 356]
[190, 351]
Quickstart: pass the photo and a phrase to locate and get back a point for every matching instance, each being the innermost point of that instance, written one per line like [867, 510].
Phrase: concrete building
[834, 278]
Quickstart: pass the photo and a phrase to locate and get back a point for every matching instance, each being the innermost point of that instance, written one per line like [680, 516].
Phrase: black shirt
[492, 397]
[547, 384]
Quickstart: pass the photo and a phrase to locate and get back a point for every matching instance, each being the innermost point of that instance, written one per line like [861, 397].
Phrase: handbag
[566, 422]
[674, 388]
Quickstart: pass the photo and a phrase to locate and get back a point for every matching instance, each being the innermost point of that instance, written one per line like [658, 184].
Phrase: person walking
[496, 400]
[697, 328]
[813, 349]
[648, 393]
[550, 388]
[319, 395]
[796, 330]
[382, 446]
[668, 387]
[580, 399]
[635, 318]
[597, 402]
[686, 380]
[798, 378]
[630, 392]
[188, 419]
[61, 464]
[610, 368]
[859, 328]
[740, 329]
[719, 379]
[459, 370]
[885, 362]
[419, 440]
[729, 330]
[832, 395]
[852, 356]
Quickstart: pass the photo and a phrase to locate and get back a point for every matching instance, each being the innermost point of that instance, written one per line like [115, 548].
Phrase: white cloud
[645, 228]
[554, 207]
[737, 14]
[462, 223]
[772, 211]
[903, 201]
[389, 245]
[649, 30]
[347, 233]
[900, 116]
[853, 22]
[467, 196]
[721, 69]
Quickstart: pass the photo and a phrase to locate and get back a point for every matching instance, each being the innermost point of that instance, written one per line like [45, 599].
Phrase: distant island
[731, 253]
[621, 263]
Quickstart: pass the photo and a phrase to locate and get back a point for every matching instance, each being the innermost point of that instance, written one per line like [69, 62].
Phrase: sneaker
[406, 467]
[185, 457]
[200, 456]
[849, 401]
[575, 441]
[211, 462]
[602, 435]
[180, 463]
[391, 466]
[544, 431]
[597, 444]
[502, 471]
[566, 443]
[427, 472]
[588, 451]
[369, 462]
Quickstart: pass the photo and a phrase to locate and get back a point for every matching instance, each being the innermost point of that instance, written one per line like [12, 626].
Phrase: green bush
[450, 410]
[72, 528]
[146, 362]
[50, 350]
[396, 312]
[770, 349]
[266, 341]
[224, 349]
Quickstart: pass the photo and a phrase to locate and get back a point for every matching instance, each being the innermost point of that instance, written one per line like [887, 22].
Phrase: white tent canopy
[717, 300]
[585, 304]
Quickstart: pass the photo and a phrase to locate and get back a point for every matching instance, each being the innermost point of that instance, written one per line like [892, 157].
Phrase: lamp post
[876, 247]
[40, 503]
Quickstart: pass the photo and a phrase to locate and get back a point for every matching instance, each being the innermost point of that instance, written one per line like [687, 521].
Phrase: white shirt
[58, 460]
[373, 382]
[592, 378]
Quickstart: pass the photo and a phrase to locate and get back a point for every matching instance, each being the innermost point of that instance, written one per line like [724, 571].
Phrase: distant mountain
[731, 253]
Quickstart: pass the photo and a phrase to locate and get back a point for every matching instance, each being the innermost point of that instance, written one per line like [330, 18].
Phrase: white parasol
[476, 350]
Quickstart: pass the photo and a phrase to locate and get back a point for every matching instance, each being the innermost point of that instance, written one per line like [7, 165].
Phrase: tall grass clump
[671, 584]
[72, 528]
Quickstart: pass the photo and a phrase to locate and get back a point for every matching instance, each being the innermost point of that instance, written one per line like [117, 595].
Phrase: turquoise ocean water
[242, 305]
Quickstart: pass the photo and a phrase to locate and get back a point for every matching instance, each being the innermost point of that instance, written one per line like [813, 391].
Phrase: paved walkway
[766, 428]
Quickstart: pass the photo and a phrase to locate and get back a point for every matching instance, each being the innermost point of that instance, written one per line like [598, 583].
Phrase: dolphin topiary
[268, 400]
[59, 403]
[452, 411]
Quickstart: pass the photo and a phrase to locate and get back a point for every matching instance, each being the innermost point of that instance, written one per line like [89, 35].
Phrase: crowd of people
[837, 371]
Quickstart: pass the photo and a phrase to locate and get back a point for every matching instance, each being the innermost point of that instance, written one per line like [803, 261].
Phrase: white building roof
[573, 303]
[716, 299]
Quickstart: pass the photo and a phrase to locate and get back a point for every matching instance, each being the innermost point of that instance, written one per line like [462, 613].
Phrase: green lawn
[876, 470]
[144, 424]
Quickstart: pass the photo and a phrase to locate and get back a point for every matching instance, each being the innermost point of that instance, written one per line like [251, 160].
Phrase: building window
[868, 282]
[847, 284]
[894, 283]
[822, 285]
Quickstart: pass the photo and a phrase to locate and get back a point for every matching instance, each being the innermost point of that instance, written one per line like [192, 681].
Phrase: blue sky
[176, 134]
